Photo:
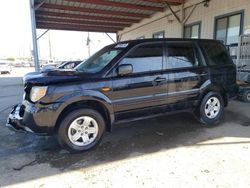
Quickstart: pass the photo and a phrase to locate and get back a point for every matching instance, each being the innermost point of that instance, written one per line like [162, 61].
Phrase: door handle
[160, 79]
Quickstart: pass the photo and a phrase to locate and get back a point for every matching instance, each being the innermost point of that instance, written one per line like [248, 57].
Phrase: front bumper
[14, 121]
[29, 117]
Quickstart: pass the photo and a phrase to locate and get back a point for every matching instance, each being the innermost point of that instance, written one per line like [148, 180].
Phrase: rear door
[134, 95]
[185, 72]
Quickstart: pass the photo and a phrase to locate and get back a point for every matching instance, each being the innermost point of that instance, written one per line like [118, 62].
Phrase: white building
[219, 19]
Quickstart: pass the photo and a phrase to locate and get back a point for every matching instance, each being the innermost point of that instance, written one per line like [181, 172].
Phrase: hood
[54, 77]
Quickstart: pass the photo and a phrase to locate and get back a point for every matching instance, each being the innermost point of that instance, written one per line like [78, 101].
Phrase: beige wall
[165, 21]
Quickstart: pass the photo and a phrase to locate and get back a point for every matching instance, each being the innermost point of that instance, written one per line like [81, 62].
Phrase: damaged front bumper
[14, 121]
[34, 117]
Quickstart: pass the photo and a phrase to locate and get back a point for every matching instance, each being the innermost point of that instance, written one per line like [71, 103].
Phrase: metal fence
[243, 53]
[241, 56]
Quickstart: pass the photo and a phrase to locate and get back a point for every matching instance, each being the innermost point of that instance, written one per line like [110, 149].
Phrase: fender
[85, 95]
[75, 96]
[209, 86]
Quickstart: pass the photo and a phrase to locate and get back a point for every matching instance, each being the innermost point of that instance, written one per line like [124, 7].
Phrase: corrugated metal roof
[95, 15]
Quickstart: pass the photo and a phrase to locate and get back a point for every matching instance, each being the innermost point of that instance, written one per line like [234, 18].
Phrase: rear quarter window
[216, 53]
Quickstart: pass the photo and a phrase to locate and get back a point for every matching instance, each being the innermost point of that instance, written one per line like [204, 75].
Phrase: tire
[246, 96]
[73, 127]
[209, 115]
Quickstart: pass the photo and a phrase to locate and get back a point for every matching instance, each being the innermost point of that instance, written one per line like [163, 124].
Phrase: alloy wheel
[83, 131]
[212, 107]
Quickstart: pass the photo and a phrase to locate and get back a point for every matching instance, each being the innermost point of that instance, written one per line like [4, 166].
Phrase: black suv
[127, 81]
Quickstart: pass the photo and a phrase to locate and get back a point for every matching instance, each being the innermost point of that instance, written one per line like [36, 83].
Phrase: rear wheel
[81, 130]
[211, 109]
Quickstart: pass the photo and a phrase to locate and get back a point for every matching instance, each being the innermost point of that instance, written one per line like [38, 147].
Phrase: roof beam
[82, 22]
[39, 5]
[85, 17]
[74, 28]
[68, 25]
[93, 10]
[120, 5]
[110, 37]
[167, 1]
[42, 34]
[173, 12]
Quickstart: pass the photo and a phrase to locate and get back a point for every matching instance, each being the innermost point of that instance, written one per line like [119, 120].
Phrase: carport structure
[109, 16]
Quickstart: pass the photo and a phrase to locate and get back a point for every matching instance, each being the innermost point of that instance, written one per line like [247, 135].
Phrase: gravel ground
[170, 151]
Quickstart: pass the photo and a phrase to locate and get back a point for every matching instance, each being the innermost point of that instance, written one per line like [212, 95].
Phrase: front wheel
[81, 130]
[211, 109]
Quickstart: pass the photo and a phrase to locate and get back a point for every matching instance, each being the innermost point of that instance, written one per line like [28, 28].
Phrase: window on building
[145, 58]
[228, 28]
[159, 35]
[192, 31]
[180, 56]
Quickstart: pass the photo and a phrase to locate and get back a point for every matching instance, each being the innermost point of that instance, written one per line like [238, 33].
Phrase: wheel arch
[88, 103]
[214, 88]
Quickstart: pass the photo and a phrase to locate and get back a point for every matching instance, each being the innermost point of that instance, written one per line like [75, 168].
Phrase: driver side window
[145, 58]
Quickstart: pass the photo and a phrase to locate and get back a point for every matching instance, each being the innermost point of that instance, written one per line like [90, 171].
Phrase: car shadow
[144, 137]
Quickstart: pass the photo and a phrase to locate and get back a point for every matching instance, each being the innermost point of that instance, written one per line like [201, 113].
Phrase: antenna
[88, 43]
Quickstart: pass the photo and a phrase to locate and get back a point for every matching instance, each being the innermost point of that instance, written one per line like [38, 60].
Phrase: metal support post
[34, 36]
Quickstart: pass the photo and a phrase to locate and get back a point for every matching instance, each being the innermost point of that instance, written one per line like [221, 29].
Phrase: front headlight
[37, 93]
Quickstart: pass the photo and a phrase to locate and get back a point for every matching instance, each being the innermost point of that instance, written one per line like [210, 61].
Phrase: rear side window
[181, 55]
[145, 58]
[216, 53]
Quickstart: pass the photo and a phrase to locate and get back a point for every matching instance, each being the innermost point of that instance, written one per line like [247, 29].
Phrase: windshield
[98, 61]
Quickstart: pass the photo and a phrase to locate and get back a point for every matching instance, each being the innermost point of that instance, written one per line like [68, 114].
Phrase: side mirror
[124, 69]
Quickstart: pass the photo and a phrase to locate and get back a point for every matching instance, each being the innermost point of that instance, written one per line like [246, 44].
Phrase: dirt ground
[170, 151]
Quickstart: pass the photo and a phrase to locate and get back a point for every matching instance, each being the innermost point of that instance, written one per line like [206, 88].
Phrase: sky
[16, 37]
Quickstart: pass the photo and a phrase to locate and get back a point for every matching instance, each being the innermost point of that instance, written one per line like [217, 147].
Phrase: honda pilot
[127, 81]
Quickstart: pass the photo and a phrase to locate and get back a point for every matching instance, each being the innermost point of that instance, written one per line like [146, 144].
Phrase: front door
[133, 95]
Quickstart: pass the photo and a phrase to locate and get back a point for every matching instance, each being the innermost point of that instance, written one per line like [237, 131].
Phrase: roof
[95, 15]
[128, 44]
[149, 40]
[167, 39]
